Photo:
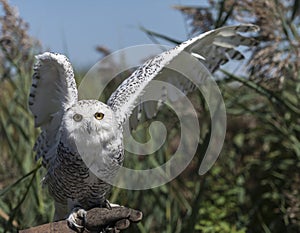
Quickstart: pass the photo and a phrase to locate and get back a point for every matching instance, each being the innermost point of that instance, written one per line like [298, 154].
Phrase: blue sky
[75, 28]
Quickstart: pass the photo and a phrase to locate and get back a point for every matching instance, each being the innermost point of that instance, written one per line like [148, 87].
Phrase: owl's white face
[90, 121]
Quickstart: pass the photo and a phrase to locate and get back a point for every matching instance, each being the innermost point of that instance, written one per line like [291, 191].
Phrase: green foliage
[22, 202]
[253, 187]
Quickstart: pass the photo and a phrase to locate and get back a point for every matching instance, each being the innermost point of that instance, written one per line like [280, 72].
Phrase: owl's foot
[77, 219]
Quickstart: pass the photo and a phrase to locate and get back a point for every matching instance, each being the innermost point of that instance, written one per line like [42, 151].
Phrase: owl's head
[91, 120]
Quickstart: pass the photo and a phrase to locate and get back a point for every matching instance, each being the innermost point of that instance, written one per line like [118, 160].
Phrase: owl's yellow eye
[99, 115]
[77, 117]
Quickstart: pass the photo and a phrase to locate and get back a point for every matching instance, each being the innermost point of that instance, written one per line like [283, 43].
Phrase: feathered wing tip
[53, 86]
[217, 47]
[214, 48]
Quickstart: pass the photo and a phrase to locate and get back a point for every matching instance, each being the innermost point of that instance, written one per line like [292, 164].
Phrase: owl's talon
[77, 215]
[109, 205]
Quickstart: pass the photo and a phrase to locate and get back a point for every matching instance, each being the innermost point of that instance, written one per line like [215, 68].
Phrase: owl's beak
[89, 127]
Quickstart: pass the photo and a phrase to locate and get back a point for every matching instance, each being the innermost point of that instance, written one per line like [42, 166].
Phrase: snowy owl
[68, 123]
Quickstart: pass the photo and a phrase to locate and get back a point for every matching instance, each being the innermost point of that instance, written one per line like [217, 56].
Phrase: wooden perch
[113, 220]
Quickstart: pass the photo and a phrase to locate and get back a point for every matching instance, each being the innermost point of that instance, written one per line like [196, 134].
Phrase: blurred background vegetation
[253, 187]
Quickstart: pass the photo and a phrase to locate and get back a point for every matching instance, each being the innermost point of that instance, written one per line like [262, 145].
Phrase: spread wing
[53, 90]
[214, 48]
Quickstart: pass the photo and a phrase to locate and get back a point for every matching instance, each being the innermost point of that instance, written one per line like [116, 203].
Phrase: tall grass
[23, 202]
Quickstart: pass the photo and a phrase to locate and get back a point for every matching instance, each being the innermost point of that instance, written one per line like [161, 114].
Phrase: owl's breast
[69, 178]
